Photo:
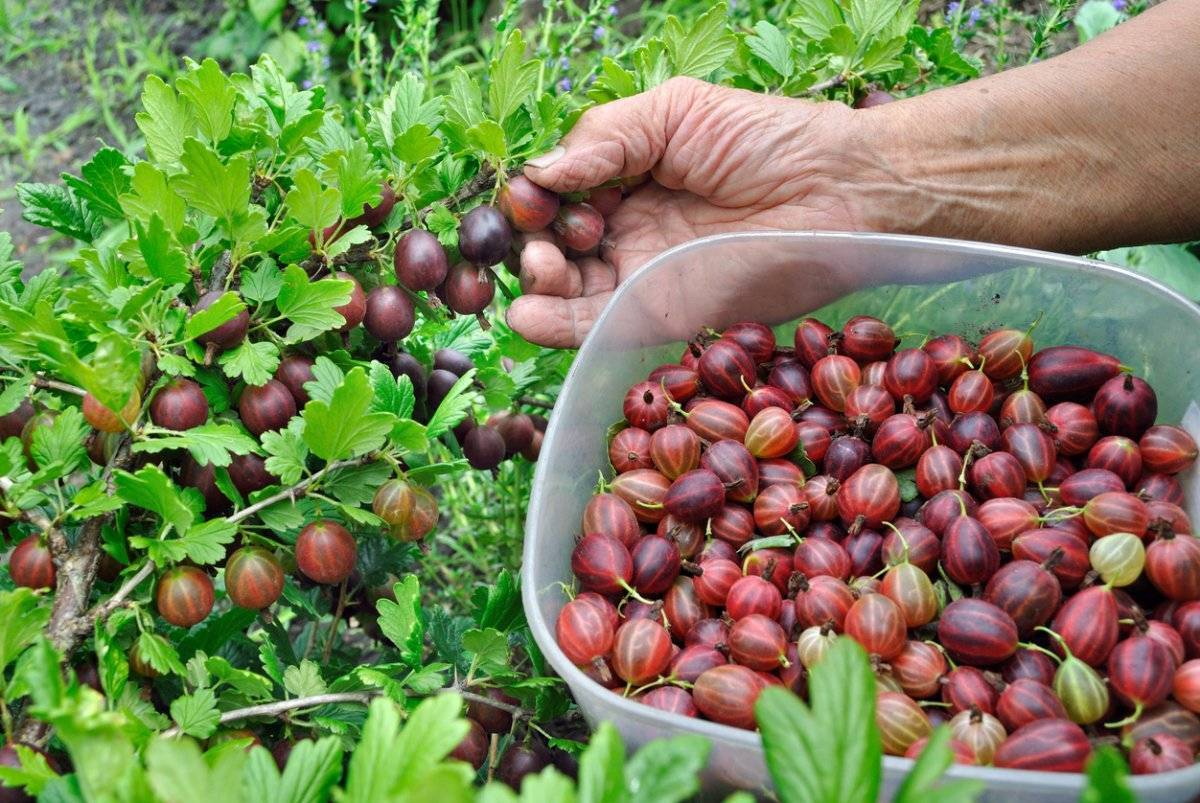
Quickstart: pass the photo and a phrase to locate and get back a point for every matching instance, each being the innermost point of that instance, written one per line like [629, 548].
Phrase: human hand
[721, 160]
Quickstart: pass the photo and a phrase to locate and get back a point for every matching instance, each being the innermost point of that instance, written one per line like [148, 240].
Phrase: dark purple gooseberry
[792, 378]
[438, 386]
[527, 206]
[420, 261]
[453, 361]
[249, 473]
[293, 371]
[846, 454]
[726, 369]
[179, 405]
[267, 407]
[389, 315]
[484, 236]
[911, 372]
[971, 427]
[469, 288]
[228, 334]
[758, 340]
[484, 448]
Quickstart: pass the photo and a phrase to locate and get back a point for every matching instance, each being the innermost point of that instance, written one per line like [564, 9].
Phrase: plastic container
[917, 284]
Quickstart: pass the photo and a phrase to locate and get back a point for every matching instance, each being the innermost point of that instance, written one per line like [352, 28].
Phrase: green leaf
[490, 648]
[667, 770]
[151, 489]
[842, 44]
[62, 441]
[159, 653]
[254, 361]
[356, 176]
[205, 543]
[212, 186]
[416, 144]
[310, 305]
[400, 621]
[304, 680]
[15, 392]
[602, 767]
[393, 394]
[511, 79]
[150, 195]
[208, 443]
[499, 605]
[921, 784]
[883, 55]
[830, 751]
[938, 45]
[701, 47]
[869, 17]
[454, 407]
[103, 181]
[212, 98]
[176, 770]
[165, 121]
[32, 773]
[59, 208]
[488, 137]
[286, 452]
[310, 205]
[344, 427]
[224, 309]
[770, 45]
[313, 767]
[263, 283]
[1094, 18]
[431, 732]
[164, 259]
[196, 714]
[1107, 776]
[1173, 265]
[612, 82]
[24, 616]
[442, 222]
[816, 18]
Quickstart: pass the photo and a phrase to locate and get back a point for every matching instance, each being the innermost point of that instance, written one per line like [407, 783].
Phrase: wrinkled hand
[721, 160]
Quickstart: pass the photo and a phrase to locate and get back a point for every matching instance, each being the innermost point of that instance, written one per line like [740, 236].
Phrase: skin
[1092, 149]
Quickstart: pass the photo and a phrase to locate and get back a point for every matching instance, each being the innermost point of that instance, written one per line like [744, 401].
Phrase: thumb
[626, 137]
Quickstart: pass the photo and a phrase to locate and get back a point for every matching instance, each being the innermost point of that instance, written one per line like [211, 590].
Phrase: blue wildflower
[598, 34]
[314, 47]
[952, 8]
[613, 10]
[320, 26]
[973, 17]
[564, 63]
[306, 84]
[565, 85]
[302, 22]
[325, 62]
[1119, 5]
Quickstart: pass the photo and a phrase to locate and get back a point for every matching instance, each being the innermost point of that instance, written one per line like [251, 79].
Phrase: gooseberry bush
[230, 424]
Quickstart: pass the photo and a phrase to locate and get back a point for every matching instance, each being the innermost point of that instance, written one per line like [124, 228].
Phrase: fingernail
[548, 158]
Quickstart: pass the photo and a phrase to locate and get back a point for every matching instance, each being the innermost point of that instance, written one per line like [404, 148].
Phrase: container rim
[574, 677]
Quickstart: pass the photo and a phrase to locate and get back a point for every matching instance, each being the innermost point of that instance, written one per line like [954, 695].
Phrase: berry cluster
[1000, 529]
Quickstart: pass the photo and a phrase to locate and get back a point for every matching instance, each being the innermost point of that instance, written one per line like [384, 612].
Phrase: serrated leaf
[254, 361]
[24, 616]
[667, 770]
[304, 680]
[262, 284]
[32, 773]
[453, 408]
[499, 605]
[510, 77]
[770, 45]
[490, 648]
[165, 122]
[61, 442]
[196, 714]
[344, 427]
[309, 204]
[212, 99]
[703, 46]
[286, 452]
[602, 767]
[150, 195]
[816, 18]
[309, 305]
[400, 621]
[214, 187]
[224, 309]
[158, 652]
[59, 208]
[869, 17]
[164, 259]
[1107, 778]
[416, 144]
[103, 180]
[488, 137]
[151, 489]
[393, 394]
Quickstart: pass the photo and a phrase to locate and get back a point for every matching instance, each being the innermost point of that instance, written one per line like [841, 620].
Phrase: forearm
[1096, 148]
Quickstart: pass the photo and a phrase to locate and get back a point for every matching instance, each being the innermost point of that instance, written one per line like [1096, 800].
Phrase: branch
[360, 697]
[529, 401]
[299, 489]
[40, 381]
[103, 610]
[830, 83]
[220, 270]
[283, 706]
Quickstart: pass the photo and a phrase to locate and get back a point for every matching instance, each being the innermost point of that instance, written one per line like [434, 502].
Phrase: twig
[830, 83]
[299, 489]
[529, 401]
[35, 517]
[333, 626]
[105, 608]
[220, 270]
[40, 381]
[283, 706]
[360, 697]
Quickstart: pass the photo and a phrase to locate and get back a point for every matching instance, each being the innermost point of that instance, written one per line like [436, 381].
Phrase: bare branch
[299, 489]
[40, 381]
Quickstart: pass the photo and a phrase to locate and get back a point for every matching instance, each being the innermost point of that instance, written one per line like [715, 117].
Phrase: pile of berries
[1001, 529]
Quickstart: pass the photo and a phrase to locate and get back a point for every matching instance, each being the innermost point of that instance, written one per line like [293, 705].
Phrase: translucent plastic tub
[916, 284]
